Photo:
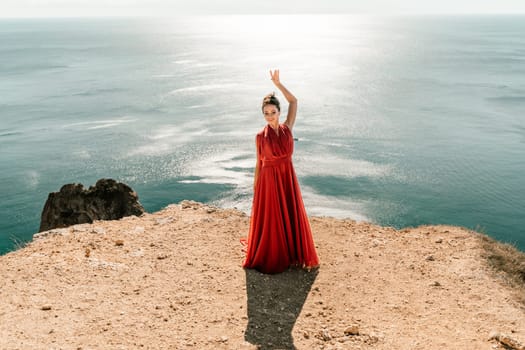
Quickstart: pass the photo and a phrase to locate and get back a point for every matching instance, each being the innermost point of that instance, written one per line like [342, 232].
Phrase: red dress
[280, 234]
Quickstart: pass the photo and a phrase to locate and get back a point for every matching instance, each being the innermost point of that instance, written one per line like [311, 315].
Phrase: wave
[82, 154]
[229, 167]
[315, 203]
[196, 64]
[508, 98]
[99, 124]
[30, 68]
[96, 92]
[333, 165]
[32, 178]
[10, 133]
[322, 205]
[183, 61]
[235, 167]
[203, 88]
[167, 138]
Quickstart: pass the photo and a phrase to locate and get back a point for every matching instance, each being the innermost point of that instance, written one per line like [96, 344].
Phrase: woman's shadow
[274, 303]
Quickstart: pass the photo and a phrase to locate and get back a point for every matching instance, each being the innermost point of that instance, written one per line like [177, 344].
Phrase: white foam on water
[243, 203]
[32, 178]
[105, 125]
[321, 205]
[166, 139]
[216, 168]
[183, 61]
[99, 124]
[207, 64]
[321, 143]
[203, 88]
[189, 181]
[333, 165]
[82, 154]
[164, 76]
[315, 204]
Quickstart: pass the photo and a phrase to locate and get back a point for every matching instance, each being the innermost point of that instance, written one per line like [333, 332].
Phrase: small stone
[162, 256]
[439, 240]
[164, 221]
[87, 253]
[46, 307]
[436, 284]
[119, 242]
[306, 335]
[352, 330]
[506, 341]
[324, 335]
[430, 258]
[98, 230]
[372, 339]
[187, 204]
[223, 339]
[376, 242]
[493, 335]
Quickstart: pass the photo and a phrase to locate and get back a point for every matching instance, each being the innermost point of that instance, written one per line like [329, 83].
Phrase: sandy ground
[173, 280]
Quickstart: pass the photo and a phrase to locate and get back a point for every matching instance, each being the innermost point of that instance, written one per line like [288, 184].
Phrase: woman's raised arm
[292, 100]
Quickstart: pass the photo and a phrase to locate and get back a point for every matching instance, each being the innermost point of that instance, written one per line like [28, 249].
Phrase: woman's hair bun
[271, 99]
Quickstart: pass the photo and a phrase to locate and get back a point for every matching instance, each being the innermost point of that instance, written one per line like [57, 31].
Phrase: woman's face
[271, 113]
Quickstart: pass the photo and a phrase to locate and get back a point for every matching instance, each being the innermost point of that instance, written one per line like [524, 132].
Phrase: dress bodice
[272, 146]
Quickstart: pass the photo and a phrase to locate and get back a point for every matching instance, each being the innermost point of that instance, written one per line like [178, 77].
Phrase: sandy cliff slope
[173, 280]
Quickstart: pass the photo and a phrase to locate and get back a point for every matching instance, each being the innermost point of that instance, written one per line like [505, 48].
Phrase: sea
[402, 120]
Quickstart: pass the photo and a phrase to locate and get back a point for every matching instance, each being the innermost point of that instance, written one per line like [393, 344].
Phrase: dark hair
[270, 99]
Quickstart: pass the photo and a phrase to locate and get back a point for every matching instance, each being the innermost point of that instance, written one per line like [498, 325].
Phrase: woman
[280, 234]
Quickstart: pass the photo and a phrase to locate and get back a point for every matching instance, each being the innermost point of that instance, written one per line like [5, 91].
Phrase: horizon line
[159, 15]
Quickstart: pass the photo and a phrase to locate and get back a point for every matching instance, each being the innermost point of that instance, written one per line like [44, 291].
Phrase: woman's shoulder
[262, 132]
[285, 128]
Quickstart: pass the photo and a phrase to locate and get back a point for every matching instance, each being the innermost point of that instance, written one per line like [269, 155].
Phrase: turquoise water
[402, 120]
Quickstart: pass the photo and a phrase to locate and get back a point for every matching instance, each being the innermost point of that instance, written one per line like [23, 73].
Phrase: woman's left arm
[292, 100]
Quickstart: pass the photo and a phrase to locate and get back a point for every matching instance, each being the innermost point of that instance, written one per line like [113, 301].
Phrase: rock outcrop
[107, 200]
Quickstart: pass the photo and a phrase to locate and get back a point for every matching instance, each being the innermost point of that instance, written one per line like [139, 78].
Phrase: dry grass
[508, 261]
[18, 242]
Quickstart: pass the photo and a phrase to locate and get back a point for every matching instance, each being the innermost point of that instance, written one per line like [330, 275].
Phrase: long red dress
[280, 234]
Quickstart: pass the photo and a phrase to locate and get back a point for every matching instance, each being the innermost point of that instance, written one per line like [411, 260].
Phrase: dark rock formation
[107, 200]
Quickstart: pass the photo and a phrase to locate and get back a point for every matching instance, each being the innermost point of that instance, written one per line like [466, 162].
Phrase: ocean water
[402, 121]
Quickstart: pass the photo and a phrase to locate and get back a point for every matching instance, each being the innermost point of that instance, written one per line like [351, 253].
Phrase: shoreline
[19, 243]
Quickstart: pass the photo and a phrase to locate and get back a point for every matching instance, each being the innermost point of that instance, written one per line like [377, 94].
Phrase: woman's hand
[275, 77]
